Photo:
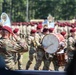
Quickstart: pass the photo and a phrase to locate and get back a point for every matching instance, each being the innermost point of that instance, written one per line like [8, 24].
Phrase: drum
[51, 42]
[61, 59]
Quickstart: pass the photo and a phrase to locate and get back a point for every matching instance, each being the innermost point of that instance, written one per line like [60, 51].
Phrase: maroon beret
[45, 29]
[63, 33]
[72, 30]
[39, 26]
[15, 30]
[33, 31]
[9, 29]
[51, 29]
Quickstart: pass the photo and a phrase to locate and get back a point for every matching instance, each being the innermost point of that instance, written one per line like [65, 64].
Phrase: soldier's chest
[7, 42]
[71, 39]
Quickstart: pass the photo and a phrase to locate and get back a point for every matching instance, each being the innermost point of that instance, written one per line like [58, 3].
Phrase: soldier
[32, 49]
[71, 67]
[18, 56]
[41, 54]
[58, 57]
[39, 34]
[71, 41]
[8, 46]
[61, 53]
[64, 34]
[45, 31]
[53, 57]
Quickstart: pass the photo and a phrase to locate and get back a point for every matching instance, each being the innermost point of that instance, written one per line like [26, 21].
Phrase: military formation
[24, 37]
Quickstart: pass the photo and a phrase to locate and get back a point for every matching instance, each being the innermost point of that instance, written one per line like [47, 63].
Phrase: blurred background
[25, 10]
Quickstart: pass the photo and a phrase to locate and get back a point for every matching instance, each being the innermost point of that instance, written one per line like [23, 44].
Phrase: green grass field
[26, 58]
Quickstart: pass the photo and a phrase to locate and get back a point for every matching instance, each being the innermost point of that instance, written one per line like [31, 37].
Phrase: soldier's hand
[1, 45]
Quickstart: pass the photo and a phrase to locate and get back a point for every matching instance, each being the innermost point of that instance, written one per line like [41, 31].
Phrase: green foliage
[39, 9]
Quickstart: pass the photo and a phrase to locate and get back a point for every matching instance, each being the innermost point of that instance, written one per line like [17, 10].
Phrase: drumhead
[50, 43]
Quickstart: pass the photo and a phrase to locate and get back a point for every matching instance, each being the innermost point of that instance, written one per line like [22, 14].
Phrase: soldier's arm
[71, 45]
[29, 40]
[21, 44]
[37, 40]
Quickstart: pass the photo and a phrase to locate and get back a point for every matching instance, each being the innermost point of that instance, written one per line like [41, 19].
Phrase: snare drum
[61, 59]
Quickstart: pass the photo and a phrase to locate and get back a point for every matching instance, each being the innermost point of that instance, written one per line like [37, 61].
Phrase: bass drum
[51, 42]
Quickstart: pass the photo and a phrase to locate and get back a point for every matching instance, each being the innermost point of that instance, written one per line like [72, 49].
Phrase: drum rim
[50, 34]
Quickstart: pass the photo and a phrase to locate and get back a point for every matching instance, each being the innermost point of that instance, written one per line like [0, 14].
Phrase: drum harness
[48, 55]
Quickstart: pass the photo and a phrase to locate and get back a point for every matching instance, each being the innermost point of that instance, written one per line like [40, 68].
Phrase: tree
[39, 9]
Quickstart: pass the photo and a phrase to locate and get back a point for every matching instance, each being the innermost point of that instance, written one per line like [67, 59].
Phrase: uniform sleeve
[29, 40]
[37, 39]
[14, 46]
[71, 44]
[23, 46]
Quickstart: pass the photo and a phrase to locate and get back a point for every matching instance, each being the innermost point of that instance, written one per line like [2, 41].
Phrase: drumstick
[49, 46]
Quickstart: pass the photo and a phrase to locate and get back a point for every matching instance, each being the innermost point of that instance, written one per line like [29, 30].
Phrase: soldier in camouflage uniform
[32, 49]
[41, 55]
[46, 57]
[52, 57]
[8, 46]
[71, 41]
[17, 56]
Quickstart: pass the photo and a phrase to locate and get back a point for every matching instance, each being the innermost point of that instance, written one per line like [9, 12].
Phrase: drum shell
[52, 45]
[59, 37]
[61, 59]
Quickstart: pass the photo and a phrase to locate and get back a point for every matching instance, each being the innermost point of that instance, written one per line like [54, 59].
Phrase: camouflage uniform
[32, 50]
[8, 46]
[19, 60]
[53, 58]
[46, 58]
[70, 52]
[42, 56]
[18, 56]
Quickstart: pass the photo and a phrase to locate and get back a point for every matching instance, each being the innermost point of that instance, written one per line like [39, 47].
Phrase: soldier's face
[5, 33]
[46, 33]
[33, 34]
[18, 33]
[39, 30]
[73, 33]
